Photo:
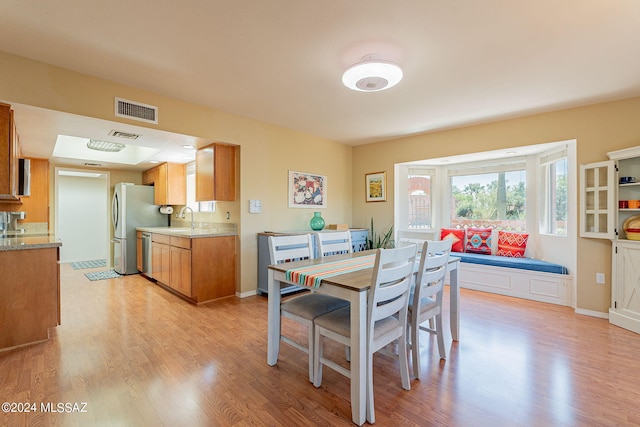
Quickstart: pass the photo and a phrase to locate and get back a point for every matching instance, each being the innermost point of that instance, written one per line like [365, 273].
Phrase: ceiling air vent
[126, 135]
[136, 111]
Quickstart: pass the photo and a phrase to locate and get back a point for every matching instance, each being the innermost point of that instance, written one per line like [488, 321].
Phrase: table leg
[273, 320]
[454, 300]
[359, 357]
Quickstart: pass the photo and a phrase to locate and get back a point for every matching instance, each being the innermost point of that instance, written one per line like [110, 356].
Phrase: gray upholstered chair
[386, 318]
[425, 302]
[302, 308]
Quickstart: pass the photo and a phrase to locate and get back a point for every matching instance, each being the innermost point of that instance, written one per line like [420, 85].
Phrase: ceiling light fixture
[109, 147]
[372, 75]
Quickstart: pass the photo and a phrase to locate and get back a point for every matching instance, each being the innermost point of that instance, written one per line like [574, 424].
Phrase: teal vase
[317, 222]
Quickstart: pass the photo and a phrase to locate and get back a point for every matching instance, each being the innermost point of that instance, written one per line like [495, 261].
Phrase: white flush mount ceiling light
[372, 75]
[109, 147]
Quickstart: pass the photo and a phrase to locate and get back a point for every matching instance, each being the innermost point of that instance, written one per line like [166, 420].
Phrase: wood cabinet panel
[30, 290]
[181, 270]
[161, 262]
[202, 269]
[170, 183]
[213, 268]
[216, 173]
[36, 206]
[9, 153]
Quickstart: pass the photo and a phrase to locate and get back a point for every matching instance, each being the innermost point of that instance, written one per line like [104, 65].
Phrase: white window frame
[191, 192]
[512, 164]
[545, 162]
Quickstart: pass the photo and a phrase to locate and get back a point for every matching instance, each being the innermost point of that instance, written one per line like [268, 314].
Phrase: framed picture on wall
[307, 190]
[376, 186]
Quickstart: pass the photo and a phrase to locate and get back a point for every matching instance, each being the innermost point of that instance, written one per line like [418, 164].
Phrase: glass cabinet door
[597, 191]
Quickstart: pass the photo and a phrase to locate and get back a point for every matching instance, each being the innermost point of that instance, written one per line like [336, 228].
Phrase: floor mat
[100, 275]
[80, 265]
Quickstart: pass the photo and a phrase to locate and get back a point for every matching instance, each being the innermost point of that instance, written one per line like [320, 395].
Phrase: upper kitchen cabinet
[169, 182]
[216, 173]
[9, 155]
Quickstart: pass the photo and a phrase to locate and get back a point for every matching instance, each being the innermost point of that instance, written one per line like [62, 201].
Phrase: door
[82, 215]
[625, 298]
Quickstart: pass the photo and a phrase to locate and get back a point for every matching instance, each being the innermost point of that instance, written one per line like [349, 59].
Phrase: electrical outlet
[600, 278]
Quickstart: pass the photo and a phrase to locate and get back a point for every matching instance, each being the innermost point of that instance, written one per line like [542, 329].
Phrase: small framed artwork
[307, 190]
[376, 186]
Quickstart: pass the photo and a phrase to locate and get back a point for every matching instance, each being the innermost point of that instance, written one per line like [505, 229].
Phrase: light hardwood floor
[139, 356]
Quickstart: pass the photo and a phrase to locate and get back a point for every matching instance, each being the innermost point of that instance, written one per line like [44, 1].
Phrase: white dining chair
[302, 308]
[386, 318]
[425, 301]
[334, 243]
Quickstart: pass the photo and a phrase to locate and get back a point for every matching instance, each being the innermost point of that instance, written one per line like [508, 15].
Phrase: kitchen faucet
[181, 214]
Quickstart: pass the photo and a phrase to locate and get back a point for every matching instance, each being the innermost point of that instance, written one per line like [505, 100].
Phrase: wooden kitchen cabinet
[161, 257]
[30, 289]
[216, 173]
[36, 206]
[199, 269]
[170, 183]
[9, 155]
[181, 270]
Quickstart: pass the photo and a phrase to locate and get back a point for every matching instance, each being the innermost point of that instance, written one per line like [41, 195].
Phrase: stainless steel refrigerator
[132, 206]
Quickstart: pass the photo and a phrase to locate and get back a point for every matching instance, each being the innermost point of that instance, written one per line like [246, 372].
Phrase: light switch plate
[255, 206]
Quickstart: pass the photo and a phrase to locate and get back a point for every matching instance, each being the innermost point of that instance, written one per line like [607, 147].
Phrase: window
[489, 196]
[419, 198]
[191, 192]
[553, 201]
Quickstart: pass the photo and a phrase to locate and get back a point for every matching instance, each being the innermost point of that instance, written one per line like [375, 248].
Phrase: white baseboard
[592, 313]
[246, 294]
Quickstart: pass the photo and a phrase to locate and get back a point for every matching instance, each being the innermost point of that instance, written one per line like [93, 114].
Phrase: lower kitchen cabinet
[160, 257]
[139, 250]
[200, 269]
[29, 295]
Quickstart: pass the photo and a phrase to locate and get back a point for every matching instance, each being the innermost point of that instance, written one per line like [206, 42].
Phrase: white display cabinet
[602, 216]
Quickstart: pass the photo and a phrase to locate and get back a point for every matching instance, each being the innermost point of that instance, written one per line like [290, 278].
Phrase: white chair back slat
[290, 248]
[334, 243]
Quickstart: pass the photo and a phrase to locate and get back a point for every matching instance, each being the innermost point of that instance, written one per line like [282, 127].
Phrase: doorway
[82, 215]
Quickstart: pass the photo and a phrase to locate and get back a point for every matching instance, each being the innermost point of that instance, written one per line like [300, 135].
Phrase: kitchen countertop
[191, 233]
[29, 241]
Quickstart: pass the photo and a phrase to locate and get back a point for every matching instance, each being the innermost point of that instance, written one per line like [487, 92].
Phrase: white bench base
[532, 285]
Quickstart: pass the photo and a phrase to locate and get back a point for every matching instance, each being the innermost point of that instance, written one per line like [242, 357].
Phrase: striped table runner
[312, 276]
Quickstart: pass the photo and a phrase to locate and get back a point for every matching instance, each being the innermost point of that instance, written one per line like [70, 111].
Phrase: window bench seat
[521, 263]
[526, 278]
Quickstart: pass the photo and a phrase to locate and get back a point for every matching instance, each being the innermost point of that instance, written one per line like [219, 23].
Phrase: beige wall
[598, 129]
[267, 152]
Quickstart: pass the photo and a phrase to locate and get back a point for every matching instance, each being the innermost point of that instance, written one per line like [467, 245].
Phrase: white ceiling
[281, 61]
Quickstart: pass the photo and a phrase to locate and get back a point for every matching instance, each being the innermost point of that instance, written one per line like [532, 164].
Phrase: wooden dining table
[351, 286]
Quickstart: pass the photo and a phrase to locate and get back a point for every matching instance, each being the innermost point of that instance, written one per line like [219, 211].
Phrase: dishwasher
[146, 255]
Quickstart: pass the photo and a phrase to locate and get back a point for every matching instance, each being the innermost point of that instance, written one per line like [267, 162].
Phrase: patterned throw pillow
[479, 241]
[456, 235]
[512, 244]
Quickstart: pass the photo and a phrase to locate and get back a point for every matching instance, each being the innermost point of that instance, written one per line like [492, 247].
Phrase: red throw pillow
[456, 235]
[479, 241]
[512, 244]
